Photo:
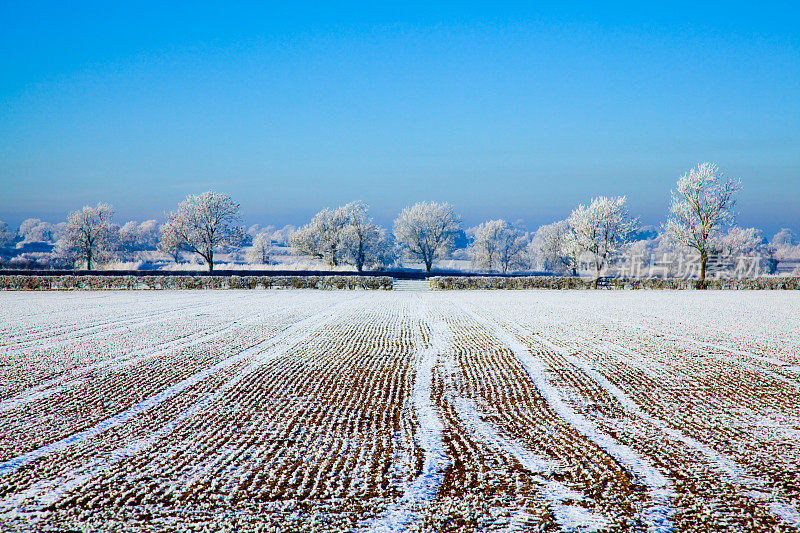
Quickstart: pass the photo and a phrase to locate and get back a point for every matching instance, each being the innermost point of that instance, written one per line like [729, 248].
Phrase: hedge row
[729, 284]
[68, 282]
[554, 282]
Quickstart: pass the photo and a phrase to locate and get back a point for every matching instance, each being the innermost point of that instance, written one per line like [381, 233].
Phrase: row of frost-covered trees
[597, 237]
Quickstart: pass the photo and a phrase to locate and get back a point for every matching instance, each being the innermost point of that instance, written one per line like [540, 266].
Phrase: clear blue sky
[518, 112]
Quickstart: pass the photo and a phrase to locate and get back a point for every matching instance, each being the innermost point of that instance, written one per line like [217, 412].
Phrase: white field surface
[380, 411]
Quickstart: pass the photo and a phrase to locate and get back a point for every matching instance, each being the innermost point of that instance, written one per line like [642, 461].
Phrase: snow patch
[425, 486]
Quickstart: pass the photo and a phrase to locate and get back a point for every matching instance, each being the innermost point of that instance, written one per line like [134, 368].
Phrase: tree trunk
[703, 260]
[89, 259]
[428, 264]
[596, 275]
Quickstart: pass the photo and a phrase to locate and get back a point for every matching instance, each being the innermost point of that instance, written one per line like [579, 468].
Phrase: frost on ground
[473, 411]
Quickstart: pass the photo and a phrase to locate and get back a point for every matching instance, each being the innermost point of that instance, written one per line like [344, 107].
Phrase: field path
[424, 487]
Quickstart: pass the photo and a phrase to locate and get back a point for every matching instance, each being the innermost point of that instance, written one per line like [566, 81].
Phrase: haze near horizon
[519, 113]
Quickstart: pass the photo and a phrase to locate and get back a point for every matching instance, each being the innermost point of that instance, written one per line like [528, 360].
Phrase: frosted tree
[204, 224]
[701, 206]
[784, 246]
[34, 230]
[148, 234]
[128, 234]
[668, 258]
[637, 259]
[512, 248]
[367, 246]
[135, 236]
[306, 240]
[5, 235]
[282, 235]
[785, 238]
[740, 241]
[261, 250]
[169, 242]
[89, 238]
[345, 235]
[554, 247]
[279, 236]
[322, 237]
[255, 230]
[601, 229]
[738, 248]
[427, 231]
[497, 245]
[59, 230]
[385, 254]
[483, 248]
[362, 241]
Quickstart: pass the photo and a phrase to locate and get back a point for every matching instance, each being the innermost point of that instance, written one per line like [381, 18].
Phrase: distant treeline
[698, 239]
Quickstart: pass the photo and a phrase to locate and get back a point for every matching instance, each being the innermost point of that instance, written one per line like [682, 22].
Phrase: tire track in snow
[82, 318]
[657, 515]
[156, 399]
[554, 493]
[73, 377]
[425, 486]
[74, 333]
[785, 365]
[71, 334]
[636, 360]
[731, 470]
[49, 491]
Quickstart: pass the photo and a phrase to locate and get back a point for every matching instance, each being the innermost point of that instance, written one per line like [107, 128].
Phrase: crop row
[693, 412]
[317, 419]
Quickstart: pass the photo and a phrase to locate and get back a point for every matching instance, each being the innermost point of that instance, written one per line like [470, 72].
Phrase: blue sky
[518, 112]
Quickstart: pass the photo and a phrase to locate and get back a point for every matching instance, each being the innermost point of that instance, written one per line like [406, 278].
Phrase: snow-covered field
[382, 411]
